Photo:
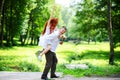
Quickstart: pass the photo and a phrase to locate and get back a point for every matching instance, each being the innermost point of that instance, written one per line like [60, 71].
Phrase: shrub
[26, 66]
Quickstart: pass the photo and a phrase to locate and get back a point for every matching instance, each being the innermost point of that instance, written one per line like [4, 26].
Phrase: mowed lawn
[96, 56]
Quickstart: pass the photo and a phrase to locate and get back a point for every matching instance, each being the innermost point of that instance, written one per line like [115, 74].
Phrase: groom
[52, 41]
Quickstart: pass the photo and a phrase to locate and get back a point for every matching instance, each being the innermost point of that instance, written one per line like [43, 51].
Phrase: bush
[74, 57]
[26, 66]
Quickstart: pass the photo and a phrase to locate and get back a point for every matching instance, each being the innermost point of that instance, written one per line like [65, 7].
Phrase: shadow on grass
[94, 55]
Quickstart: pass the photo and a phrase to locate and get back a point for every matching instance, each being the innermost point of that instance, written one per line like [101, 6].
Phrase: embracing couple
[49, 40]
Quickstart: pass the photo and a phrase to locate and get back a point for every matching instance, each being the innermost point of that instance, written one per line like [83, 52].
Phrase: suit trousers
[51, 62]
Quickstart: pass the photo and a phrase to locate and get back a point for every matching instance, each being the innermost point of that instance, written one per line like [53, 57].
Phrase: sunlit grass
[96, 56]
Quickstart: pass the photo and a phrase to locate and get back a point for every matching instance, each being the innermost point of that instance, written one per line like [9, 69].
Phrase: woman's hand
[40, 58]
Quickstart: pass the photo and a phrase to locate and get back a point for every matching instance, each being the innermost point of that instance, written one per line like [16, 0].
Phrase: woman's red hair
[53, 24]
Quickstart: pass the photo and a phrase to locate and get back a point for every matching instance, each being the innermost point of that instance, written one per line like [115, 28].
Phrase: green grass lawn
[96, 56]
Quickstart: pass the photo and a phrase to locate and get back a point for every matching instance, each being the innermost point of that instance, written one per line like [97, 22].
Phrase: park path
[37, 75]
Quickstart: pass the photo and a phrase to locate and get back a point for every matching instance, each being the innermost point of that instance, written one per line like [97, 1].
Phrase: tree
[1, 21]
[111, 59]
[37, 18]
[112, 7]
[85, 20]
[100, 12]
[15, 17]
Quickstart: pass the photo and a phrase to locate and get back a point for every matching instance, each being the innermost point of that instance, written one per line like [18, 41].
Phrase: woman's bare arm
[51, 15]
[46, 50]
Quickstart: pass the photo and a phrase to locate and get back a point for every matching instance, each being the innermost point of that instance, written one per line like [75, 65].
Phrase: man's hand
[62, 38]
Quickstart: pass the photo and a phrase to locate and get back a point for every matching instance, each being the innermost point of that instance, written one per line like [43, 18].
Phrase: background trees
[91, 20]
[22, 20]
[86, 20]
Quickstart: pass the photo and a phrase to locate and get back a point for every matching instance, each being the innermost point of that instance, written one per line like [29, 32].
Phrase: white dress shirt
[53, 40]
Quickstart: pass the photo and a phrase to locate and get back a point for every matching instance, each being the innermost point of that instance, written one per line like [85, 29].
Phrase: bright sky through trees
[66, 3]
[63, 2]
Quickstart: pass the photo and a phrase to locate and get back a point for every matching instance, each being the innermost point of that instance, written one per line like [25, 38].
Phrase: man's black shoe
[55, 76]
[44, 78]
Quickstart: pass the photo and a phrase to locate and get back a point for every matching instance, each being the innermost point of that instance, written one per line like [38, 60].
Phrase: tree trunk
[32, 38]
[1, 22]
[10, 26]
[27, 34]
[21, 40]
[111, 59]
[88, 38]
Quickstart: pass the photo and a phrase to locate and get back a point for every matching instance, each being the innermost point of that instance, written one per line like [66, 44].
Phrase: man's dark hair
[64, 27]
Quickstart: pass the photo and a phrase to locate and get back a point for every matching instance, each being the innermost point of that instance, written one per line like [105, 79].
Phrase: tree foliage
[85, 20]
[91, 20]
[21, 20]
